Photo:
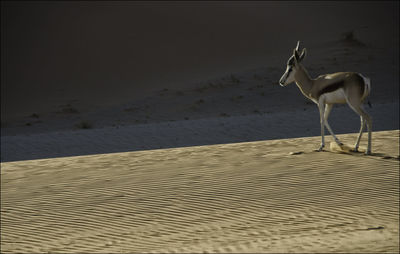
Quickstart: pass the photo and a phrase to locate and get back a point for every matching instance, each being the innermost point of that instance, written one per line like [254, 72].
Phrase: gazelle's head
[292, 66]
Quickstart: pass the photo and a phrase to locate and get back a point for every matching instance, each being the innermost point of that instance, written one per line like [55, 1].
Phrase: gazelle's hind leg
[360, 134]
[328, 108]
[321, 107]
[365, 118]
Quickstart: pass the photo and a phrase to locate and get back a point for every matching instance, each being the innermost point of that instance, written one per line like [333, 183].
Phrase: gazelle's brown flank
[328, 89]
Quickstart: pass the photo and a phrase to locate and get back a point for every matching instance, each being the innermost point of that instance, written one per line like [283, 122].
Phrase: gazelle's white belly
[334, 97]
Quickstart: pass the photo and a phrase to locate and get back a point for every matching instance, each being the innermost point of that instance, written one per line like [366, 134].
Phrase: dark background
[103, 53]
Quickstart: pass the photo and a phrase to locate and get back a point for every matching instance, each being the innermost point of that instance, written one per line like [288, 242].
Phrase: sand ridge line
[176, 134]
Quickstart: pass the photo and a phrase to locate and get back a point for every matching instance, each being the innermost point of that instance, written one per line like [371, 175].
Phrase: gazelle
[328, 89]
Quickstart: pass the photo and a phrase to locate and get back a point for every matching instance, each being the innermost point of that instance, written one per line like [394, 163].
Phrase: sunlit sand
[267, 196]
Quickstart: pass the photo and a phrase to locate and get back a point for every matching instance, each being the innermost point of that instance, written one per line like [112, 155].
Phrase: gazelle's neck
[303, 80]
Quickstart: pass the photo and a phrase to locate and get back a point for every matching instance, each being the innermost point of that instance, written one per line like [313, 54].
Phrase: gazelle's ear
[303, 54]
[297, 46]
[296, 56]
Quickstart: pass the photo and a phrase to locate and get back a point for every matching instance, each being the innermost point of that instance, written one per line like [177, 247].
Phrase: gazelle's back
[328, 83]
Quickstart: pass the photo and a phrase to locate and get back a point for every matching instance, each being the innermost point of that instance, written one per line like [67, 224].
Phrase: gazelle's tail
[367, 90]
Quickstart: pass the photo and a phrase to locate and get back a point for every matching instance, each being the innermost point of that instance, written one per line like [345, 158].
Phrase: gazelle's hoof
[367, 153]
[355, 150]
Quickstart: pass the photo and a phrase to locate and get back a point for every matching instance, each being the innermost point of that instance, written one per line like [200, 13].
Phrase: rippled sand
[266, 196]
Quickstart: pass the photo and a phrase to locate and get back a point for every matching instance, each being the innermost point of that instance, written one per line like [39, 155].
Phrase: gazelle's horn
[297, 47]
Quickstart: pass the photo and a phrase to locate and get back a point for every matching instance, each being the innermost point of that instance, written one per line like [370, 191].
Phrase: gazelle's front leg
[328, 108]
[321, 107]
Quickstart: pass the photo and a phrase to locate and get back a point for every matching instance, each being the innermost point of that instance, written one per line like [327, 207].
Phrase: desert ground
[259, 197]
[157, 127]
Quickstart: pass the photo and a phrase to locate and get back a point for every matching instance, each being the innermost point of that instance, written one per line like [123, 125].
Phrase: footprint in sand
[344, 148]
[296, 153]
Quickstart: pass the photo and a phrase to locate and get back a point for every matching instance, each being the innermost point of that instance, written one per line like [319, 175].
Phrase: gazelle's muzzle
[283, 79]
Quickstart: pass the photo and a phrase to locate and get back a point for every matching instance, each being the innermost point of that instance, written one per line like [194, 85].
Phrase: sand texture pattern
[264, 196]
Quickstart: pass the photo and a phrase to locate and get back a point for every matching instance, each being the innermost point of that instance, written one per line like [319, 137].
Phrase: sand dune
[208, 131]
[101, 54]
[157, 75]
[265, 196]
